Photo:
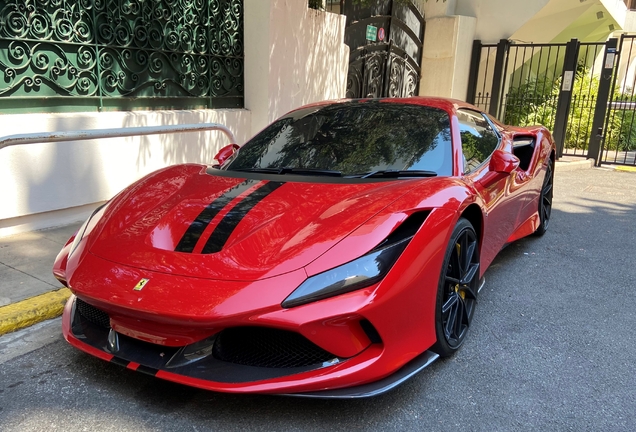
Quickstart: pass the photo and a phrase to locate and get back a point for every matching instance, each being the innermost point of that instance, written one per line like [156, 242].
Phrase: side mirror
[503, 163]
[226, 152]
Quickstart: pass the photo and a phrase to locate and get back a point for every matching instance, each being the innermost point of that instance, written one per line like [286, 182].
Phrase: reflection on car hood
[183, 221]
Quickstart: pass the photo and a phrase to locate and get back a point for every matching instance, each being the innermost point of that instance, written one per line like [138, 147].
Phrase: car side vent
[370, 331]
[523, 148]
[406, 230]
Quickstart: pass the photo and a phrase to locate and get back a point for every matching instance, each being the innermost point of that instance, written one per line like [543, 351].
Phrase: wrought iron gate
[583, 92]
[389, 63]
[619, 132]
[556, 85]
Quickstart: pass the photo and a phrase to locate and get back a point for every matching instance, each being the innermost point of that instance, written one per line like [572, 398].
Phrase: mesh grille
[265, 347]
[92, 314]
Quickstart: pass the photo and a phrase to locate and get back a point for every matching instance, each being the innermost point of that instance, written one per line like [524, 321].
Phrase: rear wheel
[457, 289]
[545, 199]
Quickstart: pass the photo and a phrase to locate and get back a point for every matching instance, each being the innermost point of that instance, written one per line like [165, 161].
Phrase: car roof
[447, 104]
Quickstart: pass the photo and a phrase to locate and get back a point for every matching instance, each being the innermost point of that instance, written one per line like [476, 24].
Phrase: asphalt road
[552, 347]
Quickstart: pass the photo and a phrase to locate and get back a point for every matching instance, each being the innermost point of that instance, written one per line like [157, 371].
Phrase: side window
[478, 139]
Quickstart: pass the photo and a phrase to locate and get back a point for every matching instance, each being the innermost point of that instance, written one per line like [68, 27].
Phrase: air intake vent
[92, 314]
[266, 347]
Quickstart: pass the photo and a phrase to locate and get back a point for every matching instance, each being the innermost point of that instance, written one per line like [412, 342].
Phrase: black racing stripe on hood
[226, 227]
[194, 232]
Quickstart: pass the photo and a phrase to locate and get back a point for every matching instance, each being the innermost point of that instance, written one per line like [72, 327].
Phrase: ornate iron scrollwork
[388, 67]
[123, 49]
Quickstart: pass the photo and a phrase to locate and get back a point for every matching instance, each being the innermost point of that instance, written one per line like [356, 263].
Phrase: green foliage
[584, 95]
[535, 102]
[622, 135]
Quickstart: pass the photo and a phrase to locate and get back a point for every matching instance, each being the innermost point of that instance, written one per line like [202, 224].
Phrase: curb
[625, 168]
[31, 311]
[574, 165]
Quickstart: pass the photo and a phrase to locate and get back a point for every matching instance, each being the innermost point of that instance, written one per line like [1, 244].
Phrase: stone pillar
[448, 42]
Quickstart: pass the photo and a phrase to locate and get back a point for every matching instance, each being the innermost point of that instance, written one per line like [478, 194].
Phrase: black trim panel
[153, 358]
[120, 361]
[147, 370]
[296, 178]
[377, 387]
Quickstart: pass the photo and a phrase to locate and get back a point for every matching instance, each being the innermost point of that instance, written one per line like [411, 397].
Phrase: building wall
[45, 178]
[499, 19]
[300, 54]
[293, 56]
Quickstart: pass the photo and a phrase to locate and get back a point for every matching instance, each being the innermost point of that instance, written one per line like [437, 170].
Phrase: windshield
[354, 139]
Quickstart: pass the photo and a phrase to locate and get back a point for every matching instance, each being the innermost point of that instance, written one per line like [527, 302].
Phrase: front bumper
[363, 375]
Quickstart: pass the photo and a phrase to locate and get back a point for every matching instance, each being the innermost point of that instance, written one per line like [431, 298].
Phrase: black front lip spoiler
[154, 358]
[377, 387]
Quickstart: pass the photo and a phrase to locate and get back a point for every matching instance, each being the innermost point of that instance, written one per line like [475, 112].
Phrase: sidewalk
[26, 261]
[28, 291]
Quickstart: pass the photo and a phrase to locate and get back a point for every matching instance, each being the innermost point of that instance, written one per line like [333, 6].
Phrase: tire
[457, 290]
[545, 200]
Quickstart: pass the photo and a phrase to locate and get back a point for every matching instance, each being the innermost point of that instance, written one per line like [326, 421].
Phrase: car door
[499, 192]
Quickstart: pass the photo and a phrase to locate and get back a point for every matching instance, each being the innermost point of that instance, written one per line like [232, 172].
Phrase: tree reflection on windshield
[354, 138]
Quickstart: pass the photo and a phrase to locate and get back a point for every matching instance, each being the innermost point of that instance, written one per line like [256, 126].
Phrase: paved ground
[26, 261]
[551, 348]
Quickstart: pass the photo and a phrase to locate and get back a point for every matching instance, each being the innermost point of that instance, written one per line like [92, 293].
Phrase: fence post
[497, 80]
[565, 95]
[475, 60]
[600, 111]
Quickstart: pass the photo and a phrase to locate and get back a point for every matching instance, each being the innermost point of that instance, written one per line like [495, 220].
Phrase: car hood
[189, 222]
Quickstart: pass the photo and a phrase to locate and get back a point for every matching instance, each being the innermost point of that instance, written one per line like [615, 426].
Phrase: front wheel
[457, 289]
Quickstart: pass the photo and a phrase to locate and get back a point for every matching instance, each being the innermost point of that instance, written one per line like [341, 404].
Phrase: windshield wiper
[289, 170]
[399, 173]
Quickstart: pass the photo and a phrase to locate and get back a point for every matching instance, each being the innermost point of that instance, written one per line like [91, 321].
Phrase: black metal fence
[573, 88]
[619, 143]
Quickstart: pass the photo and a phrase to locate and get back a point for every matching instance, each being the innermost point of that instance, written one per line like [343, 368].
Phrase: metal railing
[90, 134]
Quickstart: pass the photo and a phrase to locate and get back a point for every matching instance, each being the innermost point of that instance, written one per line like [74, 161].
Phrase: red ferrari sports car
[336, 254]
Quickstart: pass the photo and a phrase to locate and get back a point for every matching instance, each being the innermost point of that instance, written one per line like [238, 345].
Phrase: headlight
[356, 274]
[87, 226]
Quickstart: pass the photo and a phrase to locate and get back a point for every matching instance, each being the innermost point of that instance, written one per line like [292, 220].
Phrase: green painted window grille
[86, 55]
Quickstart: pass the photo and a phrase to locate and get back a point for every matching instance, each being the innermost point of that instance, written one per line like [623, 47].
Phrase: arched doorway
[385, 39]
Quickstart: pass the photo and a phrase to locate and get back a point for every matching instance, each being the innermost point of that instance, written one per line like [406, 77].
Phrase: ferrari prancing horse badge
[141, 284]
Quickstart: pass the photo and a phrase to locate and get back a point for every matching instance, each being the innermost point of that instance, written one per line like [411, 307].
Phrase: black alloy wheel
[457, 289]
[545, 200]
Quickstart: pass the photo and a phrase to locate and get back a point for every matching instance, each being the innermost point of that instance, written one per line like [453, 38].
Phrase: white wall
[299, 51]
[499, 19]
[562, 20]
[45, 178]
[293, 56]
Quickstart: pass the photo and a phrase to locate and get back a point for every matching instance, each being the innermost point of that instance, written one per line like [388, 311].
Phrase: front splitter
[377, 387]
